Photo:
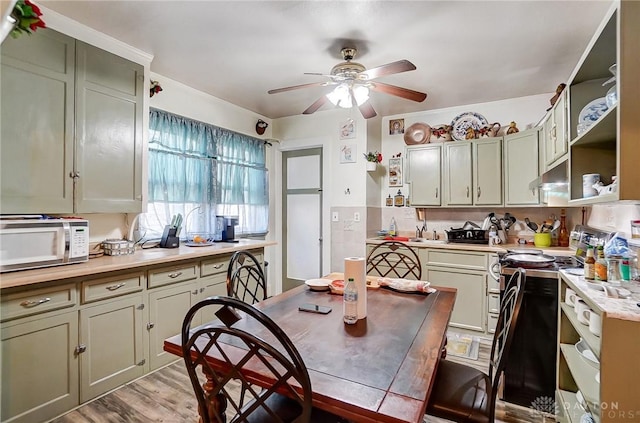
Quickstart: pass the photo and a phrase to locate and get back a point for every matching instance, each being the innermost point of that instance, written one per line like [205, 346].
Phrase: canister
[635, 229]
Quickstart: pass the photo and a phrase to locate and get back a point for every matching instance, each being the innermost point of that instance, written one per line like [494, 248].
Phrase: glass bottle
[563, 235]
[589, 264]
[350, 302]
[601, 266]
[392, 227]
[613, 270]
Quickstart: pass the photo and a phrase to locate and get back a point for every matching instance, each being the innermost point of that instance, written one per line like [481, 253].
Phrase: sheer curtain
[200, 171]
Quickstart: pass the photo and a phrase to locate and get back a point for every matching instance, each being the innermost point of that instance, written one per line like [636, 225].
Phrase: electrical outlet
[356, 217]
[335, 217]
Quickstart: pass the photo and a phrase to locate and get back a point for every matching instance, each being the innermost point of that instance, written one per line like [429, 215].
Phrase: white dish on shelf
[318, 284]
[587, 354]
[591, 113]
[464, 121]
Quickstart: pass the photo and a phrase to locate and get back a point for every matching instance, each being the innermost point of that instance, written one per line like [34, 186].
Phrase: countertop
[141, 258]
[617, 308]
[554, 251]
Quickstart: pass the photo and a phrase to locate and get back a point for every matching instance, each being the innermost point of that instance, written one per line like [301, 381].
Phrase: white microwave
[32, 243]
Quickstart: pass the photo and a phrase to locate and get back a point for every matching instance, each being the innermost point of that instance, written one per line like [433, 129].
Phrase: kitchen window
[201, 170]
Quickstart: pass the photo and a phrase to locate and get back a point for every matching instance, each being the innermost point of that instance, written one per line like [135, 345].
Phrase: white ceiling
[465, 51]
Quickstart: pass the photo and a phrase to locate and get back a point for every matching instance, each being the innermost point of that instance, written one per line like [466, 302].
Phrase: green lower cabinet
[167, 308]
[111, 348]
[39, 368]
[469, 309]
[210, 286]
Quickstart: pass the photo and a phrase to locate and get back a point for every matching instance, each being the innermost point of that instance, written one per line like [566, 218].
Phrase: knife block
[169, 238]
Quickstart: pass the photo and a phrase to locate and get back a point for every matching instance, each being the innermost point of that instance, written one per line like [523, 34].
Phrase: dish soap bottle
[392, 227]
[350, 303]
[563, 235]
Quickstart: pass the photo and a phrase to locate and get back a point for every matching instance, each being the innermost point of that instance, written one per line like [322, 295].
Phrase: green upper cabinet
[521, 168]
[473, 172]
[71, 127]
[108, 132]
[36, 148]
[424, 167]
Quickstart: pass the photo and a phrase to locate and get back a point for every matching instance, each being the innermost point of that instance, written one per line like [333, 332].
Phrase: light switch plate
[335, 216]
[356, 217]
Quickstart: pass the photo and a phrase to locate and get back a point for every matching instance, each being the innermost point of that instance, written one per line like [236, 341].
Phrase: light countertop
[141, 258]
[617, 308]
[498, 249]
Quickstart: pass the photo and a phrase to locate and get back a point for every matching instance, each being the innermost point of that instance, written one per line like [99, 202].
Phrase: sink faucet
[419, 230]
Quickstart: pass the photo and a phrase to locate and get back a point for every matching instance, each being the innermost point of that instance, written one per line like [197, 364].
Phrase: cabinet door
[36, 104]
[458, 175]
[109, 132]
[39, 368]
[469, 309]
[112, 336]
[211, 286]
[559, 128]
[547, 141]
[424, 174]
[487, 172]
[521, 168]
[167, 308]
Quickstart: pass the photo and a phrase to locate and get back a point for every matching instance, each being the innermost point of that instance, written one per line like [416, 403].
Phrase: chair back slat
[394, 260]
[234, 347]
[245, 278]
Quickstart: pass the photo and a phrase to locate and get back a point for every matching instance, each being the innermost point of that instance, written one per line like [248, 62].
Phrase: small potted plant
[373, 158]
[26, 17]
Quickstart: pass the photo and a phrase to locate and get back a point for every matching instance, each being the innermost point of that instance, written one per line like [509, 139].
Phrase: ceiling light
[341, 96]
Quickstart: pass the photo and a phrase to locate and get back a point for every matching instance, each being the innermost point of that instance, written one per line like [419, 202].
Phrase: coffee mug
[569, 297]
[594, 321]
[580, 307]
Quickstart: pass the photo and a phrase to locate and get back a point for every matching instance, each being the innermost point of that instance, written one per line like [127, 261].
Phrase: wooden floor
[166, 396]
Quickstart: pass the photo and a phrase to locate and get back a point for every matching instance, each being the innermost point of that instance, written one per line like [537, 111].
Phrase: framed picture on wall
[347, 129]
[395, 172]
[396, 126]
[348, 153]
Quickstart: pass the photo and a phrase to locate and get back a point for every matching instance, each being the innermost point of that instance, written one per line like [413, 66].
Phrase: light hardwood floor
[166, 396]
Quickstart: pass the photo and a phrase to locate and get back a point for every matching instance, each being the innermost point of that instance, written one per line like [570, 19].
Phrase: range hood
[554, 179]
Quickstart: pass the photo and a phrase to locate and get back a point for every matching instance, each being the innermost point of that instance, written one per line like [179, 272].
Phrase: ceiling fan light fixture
[341, 96]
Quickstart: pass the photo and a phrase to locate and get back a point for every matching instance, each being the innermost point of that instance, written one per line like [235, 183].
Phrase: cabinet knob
[218, 266]
[436, 192]
[174, 275]
[467, 191]
[150, 325]
[141, 363]
[194, 292]
[201, 290]
[479, 192]
[80, 349]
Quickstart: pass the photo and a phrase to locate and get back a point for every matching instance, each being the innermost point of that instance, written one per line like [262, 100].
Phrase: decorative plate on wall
[464, 121]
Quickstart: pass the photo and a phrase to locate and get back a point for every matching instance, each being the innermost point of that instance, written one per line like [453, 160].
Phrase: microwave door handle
[65, 241]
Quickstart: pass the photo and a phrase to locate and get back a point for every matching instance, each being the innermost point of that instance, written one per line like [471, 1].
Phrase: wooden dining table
[380, 369]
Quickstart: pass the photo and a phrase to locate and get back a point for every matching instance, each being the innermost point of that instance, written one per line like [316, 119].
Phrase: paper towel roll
[355, 267]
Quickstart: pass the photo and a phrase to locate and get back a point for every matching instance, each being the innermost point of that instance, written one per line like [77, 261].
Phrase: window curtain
[200, 171]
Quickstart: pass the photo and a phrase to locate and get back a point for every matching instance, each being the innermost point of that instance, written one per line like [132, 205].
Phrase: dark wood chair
[287, 400]
[465, 394]
[394, 259]
[245, 278]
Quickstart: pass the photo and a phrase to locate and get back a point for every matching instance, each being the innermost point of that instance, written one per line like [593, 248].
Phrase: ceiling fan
[353, 82]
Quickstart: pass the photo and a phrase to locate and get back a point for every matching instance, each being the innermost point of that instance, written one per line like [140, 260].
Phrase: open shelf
[601, 133]
[569, 410]
[583, 374]
[583, 330]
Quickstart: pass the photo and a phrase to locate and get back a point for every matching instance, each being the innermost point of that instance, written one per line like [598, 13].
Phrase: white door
[302, 215]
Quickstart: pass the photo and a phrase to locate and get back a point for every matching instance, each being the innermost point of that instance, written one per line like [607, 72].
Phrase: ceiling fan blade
[367, 110]
[316, 105]
[389, 69]
[398, 91]
[296, 87]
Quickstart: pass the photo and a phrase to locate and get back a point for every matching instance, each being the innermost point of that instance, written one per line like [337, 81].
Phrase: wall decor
[348, 153]
[395, 172]
[396, 126]
[347, 129]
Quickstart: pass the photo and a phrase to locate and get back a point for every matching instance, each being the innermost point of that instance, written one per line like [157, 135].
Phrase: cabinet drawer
[218, 264]
[172, 274]
[494, 303]
[100, 289]
[492, 323]
[35, 301]
[460, 260]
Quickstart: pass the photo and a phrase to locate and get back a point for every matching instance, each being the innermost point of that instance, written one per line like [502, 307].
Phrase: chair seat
[288, 410]
[460, 393]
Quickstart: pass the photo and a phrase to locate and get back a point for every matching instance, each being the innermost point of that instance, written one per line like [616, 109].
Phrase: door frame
[301, 152]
